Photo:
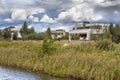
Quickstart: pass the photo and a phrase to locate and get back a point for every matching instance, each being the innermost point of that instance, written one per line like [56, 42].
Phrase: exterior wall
[13, 29]
[58, 34]
[89, 29]
[16, 30]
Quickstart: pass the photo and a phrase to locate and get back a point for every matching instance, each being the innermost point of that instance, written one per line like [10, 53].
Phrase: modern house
[84, 30]
[13, 30]
[59, 33]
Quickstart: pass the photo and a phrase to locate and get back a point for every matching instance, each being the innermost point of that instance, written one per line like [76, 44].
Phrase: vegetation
[97, 60]
[36, 36]
[30, 34]
[15, 36]
[7, 34]
[91, 62]
[48, 43]
[115, 31]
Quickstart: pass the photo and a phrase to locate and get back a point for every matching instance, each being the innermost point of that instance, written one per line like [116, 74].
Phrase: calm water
[16, 74]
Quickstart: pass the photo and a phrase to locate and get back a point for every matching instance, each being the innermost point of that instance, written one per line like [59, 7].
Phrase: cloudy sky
[57, 13]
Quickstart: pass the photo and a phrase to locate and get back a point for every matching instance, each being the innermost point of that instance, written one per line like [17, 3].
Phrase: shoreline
[76, 61]
[14, 67]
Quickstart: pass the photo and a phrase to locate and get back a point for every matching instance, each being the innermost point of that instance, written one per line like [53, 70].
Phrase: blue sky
[57, 13]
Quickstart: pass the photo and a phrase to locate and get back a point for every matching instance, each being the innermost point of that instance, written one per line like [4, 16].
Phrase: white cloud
[8, 20]
[47, 19]
[18, 3]
[19, 14]
[36, 10]
[22, 14]
[97, 17]
[77, 13]
[33, 19]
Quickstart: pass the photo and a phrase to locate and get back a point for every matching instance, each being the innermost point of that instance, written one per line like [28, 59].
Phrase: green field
[80, 60]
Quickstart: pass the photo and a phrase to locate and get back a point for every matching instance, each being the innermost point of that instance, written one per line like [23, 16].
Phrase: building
[84, 30]
[13, 30]
[59, 33]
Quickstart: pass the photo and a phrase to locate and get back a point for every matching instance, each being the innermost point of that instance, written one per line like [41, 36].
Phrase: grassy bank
[88, 60]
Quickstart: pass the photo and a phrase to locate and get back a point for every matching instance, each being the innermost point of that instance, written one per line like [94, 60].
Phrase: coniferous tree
[24, 29]
[48, 33]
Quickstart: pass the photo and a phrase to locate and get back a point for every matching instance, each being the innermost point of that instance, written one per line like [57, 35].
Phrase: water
[16, 74]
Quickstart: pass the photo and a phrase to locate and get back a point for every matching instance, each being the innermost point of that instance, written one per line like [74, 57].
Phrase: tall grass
[85, 60]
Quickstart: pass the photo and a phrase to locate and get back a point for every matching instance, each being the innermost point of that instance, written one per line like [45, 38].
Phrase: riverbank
[80, 60]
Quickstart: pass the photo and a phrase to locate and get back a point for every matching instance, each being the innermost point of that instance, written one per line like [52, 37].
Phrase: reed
[85, 60]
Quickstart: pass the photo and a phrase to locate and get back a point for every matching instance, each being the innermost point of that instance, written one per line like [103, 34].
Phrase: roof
[58, 31]
[82, 31]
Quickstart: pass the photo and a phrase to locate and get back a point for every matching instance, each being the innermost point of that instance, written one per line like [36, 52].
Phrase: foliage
[48, 46]
[15, 36]
[31, 30]
[48, 43]
[7, 34]
[115, 31]
[35, 36]
[48, 33]
[26, 32]
[24, 29]
[66, 36]
[75, 37]
[1, 33]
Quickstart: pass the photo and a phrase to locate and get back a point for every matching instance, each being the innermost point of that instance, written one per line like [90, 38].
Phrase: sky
[57, 14]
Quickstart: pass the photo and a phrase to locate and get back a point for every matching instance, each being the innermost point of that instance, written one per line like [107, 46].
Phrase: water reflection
[16, 74]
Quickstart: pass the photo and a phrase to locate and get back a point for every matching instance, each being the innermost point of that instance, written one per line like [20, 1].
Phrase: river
[7, 73]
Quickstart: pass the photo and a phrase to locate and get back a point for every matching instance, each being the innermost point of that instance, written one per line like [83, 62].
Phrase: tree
[15, 36]
[115, 31]
[48, 43]
[7, 34]
[24, 29]
[48, 33]
[31, 30]
[1, 33]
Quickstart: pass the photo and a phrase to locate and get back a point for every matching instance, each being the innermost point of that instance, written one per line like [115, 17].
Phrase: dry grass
[79, 59]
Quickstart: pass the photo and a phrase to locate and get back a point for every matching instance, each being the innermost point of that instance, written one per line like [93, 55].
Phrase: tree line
[26, 33]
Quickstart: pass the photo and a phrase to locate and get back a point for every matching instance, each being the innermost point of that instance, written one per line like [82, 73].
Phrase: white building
[85, 30]
[13, 30]
[59, 33]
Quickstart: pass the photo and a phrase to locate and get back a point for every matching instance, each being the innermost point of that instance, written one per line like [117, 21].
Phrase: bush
[104, 45]
[35, 36]
[48, 46]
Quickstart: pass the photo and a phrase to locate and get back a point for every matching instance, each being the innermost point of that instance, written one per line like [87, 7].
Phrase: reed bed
[81, 60]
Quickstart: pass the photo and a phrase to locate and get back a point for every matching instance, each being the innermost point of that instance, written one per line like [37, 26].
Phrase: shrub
[104, 45]
[48, 46]
[35, 36]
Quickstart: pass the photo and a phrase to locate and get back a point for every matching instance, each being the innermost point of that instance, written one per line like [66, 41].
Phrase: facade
[59, 33]
[13, 30]
[84, 31]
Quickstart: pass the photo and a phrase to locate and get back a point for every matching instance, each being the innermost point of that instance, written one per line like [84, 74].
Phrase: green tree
[115, 31]
[48, 43]
[48, 33]
[7, 34]
[15, 36]
[1, 33]
[31, 30]
[24, 29]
